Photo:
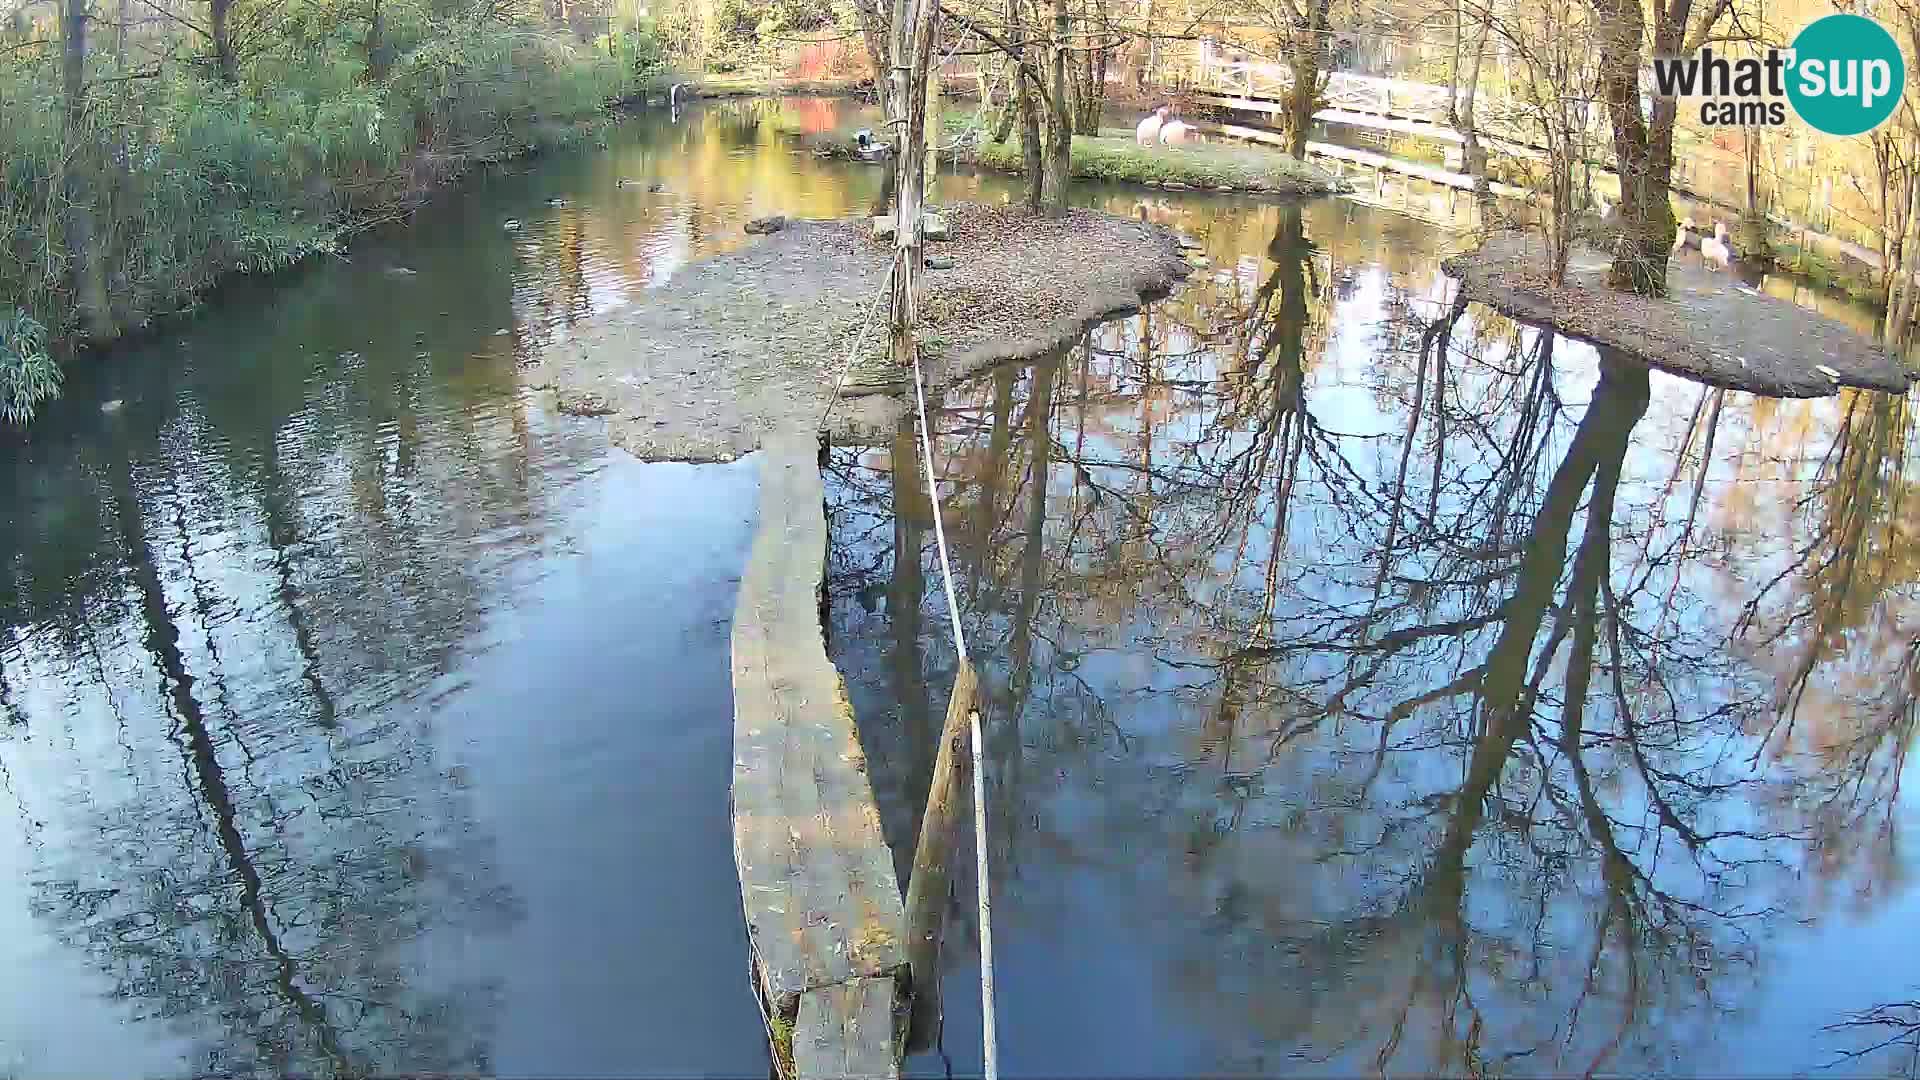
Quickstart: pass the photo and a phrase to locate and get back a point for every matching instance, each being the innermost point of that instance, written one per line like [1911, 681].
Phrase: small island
[759, 339]
[1708, 327]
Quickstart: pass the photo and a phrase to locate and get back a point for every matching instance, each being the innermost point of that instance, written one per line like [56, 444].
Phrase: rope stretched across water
[989, 1039]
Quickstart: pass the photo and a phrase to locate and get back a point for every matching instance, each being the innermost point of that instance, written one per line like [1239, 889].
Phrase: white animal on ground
[1714, 250]
[1174, 132]
[1680, 236]
[1149, 129]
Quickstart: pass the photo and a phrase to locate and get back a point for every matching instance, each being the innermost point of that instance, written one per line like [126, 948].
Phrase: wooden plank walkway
[825, 921]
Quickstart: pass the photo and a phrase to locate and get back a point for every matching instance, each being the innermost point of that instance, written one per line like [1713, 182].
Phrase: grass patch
[1120, 159]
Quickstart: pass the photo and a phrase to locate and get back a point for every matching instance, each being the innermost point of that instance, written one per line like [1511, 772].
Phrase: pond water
[1372, 687]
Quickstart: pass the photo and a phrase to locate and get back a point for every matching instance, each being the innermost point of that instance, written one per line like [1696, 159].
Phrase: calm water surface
[1374, 687]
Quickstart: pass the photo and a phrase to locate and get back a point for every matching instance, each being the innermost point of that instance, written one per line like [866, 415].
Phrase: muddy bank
[754, 341]
[1710, 327]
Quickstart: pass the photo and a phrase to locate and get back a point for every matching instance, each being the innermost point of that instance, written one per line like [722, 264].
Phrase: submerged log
[927, 888]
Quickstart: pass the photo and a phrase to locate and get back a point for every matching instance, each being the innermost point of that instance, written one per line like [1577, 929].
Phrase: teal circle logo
[1847, 74]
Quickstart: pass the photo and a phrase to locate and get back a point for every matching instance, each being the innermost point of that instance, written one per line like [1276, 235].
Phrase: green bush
[28, 375]
[185, 179]
[749, 30]
[643, 50]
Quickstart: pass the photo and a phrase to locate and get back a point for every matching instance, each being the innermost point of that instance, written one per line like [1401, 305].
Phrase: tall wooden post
[912, 49]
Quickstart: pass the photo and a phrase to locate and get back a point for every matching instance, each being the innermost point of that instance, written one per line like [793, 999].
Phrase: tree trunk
[1453, 67]
[889, 179]
[1464, 119]
[223, 58]
[912, 47]
[1308, 56]
[1143, 52]
[1056, 170]
[1090, 87]
[73, 68]
[1643, 151]
[1900, 318]
[377, 64]
[873, 31]
[1093, 98]
[932, 873]
[1560, 188]
[1890, 225]
[1003, 123]
[1031, 151]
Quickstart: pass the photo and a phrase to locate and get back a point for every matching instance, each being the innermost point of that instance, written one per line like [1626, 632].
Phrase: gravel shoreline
[753, 341]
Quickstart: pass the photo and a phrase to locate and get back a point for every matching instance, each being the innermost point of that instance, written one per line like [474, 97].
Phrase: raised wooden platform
[825, 921]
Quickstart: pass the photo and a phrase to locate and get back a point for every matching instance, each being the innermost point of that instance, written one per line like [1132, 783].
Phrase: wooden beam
[927, 887]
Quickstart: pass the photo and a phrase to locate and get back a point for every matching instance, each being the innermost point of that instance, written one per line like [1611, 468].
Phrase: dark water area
[1362, 698]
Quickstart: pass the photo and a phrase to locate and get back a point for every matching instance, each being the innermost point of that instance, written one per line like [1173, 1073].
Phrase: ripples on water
[1373, 686]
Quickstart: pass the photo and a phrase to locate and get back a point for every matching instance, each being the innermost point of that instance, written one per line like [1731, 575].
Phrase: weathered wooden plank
[818, 889]
[846, 1032]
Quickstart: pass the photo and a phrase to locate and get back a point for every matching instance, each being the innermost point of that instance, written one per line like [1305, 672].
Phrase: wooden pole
[912, 53]
[933, 116]
[932, 872]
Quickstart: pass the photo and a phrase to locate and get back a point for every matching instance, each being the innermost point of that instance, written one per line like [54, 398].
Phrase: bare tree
[1643, 140]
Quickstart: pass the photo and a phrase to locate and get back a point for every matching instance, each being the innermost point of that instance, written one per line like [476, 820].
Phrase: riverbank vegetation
[147, 153]
[243, 134]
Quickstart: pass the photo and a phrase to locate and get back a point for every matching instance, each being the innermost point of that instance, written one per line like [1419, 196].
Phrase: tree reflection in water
[227, 812]
[1389, 658]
